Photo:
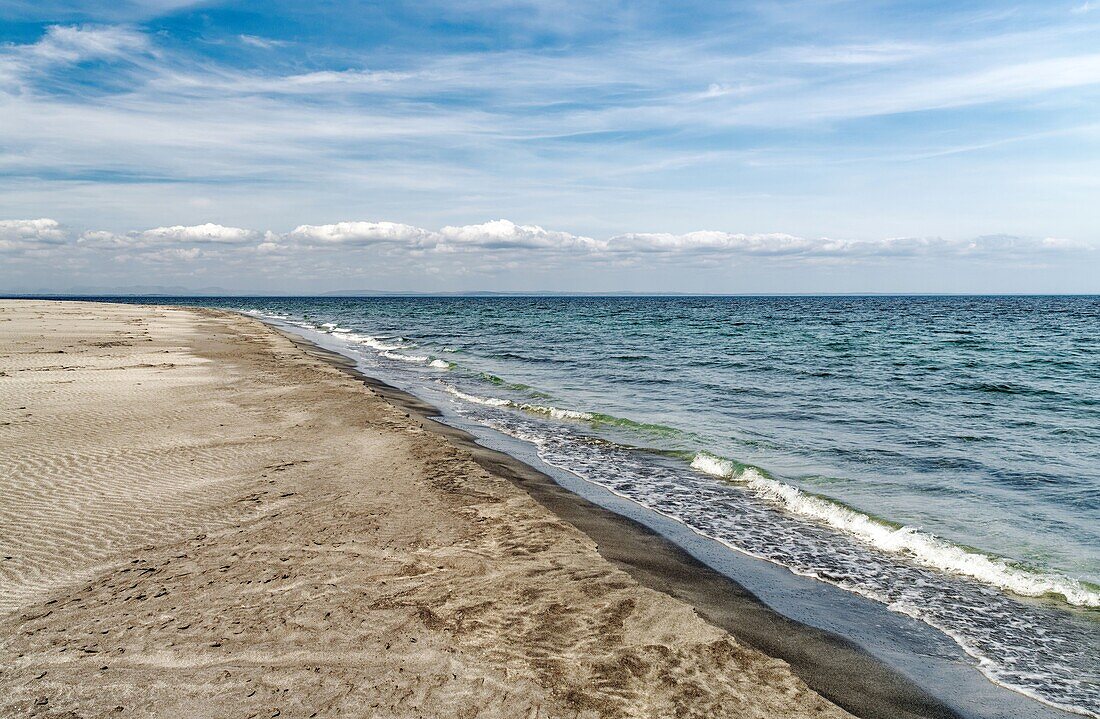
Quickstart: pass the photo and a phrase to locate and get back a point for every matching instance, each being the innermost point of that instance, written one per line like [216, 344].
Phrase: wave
[487, 401]
[372, 342]
[648, 427]
[385, 349]
[1011, 642]
[596, 418]
[517, 386]
[402, 357]
[922, 547]
[554, 412]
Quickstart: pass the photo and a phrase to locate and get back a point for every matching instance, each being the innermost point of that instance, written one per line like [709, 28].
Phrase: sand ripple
[199, 519]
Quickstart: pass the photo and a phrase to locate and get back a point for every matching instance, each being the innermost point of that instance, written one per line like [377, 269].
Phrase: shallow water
[938, 454]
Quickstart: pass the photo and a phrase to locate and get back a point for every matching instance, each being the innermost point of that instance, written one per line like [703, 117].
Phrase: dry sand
[198, 518]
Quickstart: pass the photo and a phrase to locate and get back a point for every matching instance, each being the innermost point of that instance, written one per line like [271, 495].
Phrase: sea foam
[922, 547]
[554, 412]
[372, 342]
[403, 357]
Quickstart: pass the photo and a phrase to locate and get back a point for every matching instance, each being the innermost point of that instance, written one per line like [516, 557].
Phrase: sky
[787, 146]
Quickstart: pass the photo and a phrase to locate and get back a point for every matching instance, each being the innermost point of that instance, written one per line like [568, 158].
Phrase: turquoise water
[938, 454]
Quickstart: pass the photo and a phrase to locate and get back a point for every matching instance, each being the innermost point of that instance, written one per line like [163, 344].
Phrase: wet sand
[200, 516]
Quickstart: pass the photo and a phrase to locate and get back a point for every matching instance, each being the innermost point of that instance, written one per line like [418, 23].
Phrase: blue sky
[801, 146]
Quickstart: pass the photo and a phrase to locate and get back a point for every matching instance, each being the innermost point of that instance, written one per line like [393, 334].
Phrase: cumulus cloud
[207, 234]
[487, 236]
[504, 244]
[19, 235]
[358, 233]
[504, 234]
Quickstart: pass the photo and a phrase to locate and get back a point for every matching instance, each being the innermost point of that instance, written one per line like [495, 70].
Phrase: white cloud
[76, 43]
[883, 53]
[507, 242]
[358, 233]
[504, 234]
[185, 254]
[262, 42]
[711, 241]
[495, 235]
[329, 255]
[63, 45]
[273, 136]
[207, 234]
[502, 243]
[779, 245]
[18, 235]
[319, 83]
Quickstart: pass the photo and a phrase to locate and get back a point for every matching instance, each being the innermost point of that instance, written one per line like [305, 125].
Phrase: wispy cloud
[847, 121]
[21, 65]
[264, 43]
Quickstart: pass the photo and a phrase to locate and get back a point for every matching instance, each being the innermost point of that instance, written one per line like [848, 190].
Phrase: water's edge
[872, 662]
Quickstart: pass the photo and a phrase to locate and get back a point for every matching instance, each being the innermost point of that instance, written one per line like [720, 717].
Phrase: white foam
[404, 358]
[440, 364]
[556, 412]
[709, 464]
[372, 342]
[488, 401]
[922, 547]
[269, 315]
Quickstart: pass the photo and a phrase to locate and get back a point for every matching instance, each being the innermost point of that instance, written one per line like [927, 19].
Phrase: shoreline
[894, 647]
[201, 519]
[300, 477]
[834, 667]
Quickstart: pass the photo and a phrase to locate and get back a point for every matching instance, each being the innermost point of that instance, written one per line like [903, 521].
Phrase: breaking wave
[924, 548]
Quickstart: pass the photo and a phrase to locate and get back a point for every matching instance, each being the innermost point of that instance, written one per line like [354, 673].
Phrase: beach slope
[199, 518]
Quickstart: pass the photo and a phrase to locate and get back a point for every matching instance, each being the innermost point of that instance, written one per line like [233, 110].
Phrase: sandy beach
[200, 516]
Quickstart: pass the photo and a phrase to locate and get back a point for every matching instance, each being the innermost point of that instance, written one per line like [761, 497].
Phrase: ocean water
[940, 455]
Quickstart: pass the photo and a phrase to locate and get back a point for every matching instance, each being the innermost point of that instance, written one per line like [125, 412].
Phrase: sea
[937, 455]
